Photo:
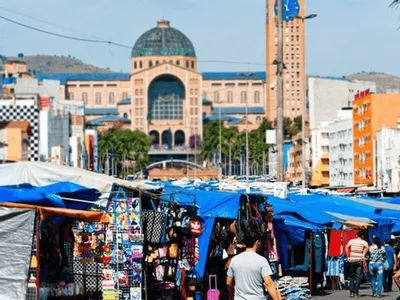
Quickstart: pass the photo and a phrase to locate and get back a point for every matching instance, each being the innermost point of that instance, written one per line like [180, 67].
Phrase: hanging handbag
[195, 227]
[153, 226]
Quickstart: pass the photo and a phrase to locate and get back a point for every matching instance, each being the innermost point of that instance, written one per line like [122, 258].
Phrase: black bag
[153, 226]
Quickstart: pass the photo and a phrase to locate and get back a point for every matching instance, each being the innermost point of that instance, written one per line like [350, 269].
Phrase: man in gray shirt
[249, 272]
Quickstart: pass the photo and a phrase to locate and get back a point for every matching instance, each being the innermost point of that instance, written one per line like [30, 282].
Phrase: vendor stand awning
[47, 212]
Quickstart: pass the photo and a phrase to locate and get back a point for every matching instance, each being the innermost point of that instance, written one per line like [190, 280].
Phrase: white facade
[341, 165]
[328, 95]
[388, 159]
[319, 142]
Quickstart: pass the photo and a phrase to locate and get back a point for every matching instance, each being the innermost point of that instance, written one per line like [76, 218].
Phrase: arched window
[157, 62]
[98, 98]
[216, 97]
[125, 115]
[187, 64]
[84, 97]
[192, 64]
[140, 64]
[243, 97]
[150, 63]
[178, 62]
[230, 97]
[257, 97]
[258, 120]
[135, 65]
[111, 98]
[71, 96]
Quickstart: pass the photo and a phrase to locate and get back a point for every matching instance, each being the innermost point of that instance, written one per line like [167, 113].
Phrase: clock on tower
[291, 9]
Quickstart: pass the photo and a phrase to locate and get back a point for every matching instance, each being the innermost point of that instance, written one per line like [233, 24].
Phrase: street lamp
[247, 75]
[304, 108]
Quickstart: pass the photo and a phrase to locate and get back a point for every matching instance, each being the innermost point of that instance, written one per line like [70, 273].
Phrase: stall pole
[311, 264]
[37, 255]
[144, 275]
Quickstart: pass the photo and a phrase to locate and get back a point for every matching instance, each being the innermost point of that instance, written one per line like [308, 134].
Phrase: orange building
[293, 57]
[14, 140]
[371, 112]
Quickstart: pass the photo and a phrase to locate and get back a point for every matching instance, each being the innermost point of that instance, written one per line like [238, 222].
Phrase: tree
[125, 145]
[211, 139]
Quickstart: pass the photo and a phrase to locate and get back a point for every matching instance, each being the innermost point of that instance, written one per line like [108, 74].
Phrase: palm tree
[230, 136]
[211, 139]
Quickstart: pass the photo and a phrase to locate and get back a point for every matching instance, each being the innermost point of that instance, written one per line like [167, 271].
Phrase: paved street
[365, 294]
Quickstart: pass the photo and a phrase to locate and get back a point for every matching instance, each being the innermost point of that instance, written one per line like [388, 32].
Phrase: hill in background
[58, 64]
[384, 82]
[68, 64]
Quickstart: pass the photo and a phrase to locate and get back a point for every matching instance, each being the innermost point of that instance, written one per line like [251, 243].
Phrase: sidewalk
[365, 294]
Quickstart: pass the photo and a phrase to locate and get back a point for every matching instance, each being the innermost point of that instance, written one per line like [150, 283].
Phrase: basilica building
[165, 94]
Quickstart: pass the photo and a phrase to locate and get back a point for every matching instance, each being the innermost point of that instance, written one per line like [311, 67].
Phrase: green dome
[163, 40]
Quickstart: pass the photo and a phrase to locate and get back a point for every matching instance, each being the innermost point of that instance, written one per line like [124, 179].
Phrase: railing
[164, 149]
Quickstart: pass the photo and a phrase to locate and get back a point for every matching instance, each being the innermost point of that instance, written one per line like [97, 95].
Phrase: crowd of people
[379, 260]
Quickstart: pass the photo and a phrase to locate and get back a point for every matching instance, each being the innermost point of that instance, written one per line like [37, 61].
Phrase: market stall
[53, 272]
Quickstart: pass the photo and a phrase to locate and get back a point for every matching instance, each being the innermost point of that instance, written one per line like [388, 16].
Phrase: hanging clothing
[319, 252]
[335, 243]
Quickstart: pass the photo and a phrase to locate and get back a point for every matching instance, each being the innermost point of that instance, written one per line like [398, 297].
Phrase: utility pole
[247, 77]
[279, 90]
[220, 144]
[304, 104]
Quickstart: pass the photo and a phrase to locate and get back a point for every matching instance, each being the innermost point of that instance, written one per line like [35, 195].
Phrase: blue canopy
[210, 203]
[50, 195]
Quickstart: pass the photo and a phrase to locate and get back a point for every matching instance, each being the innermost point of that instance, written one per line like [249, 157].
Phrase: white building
[53, 121]
[327, 95]
[388, 159]
[319, 142]
[341, 164]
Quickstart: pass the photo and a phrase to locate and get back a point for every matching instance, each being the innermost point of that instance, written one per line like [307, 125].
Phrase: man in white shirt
[249, 273]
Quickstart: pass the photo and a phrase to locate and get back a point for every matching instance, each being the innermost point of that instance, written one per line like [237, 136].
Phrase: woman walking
[376, 266]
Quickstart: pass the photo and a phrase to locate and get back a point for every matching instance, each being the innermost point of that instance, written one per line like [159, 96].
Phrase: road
[365, 294]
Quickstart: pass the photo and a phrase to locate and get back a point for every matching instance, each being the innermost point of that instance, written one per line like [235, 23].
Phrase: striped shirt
[357, 247]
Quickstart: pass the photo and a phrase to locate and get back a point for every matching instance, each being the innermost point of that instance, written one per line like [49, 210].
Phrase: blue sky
[348, 36]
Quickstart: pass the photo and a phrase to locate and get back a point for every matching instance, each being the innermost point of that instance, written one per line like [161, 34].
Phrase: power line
[46, 22]
[65, 36]
[98, 40]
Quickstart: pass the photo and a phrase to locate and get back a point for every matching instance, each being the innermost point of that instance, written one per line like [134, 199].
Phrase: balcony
[176, 150]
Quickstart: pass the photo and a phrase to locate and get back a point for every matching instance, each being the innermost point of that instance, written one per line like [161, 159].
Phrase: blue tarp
[211, 205]
[314, 208]
[50, 195]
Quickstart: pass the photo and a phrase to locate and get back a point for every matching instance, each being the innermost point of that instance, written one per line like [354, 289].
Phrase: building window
[135, 65]
[256, 97]
[258, 120]
[125, 115]
[85, 97]
[140, 64]
[124, 95]
[230, 97]
[71, 96]
[187, 64]
[98, 98]
[192, 64]
[243, 97]
[157, 62]
[216, 97]
[178, 63]
[150, 63]
[111, 98]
